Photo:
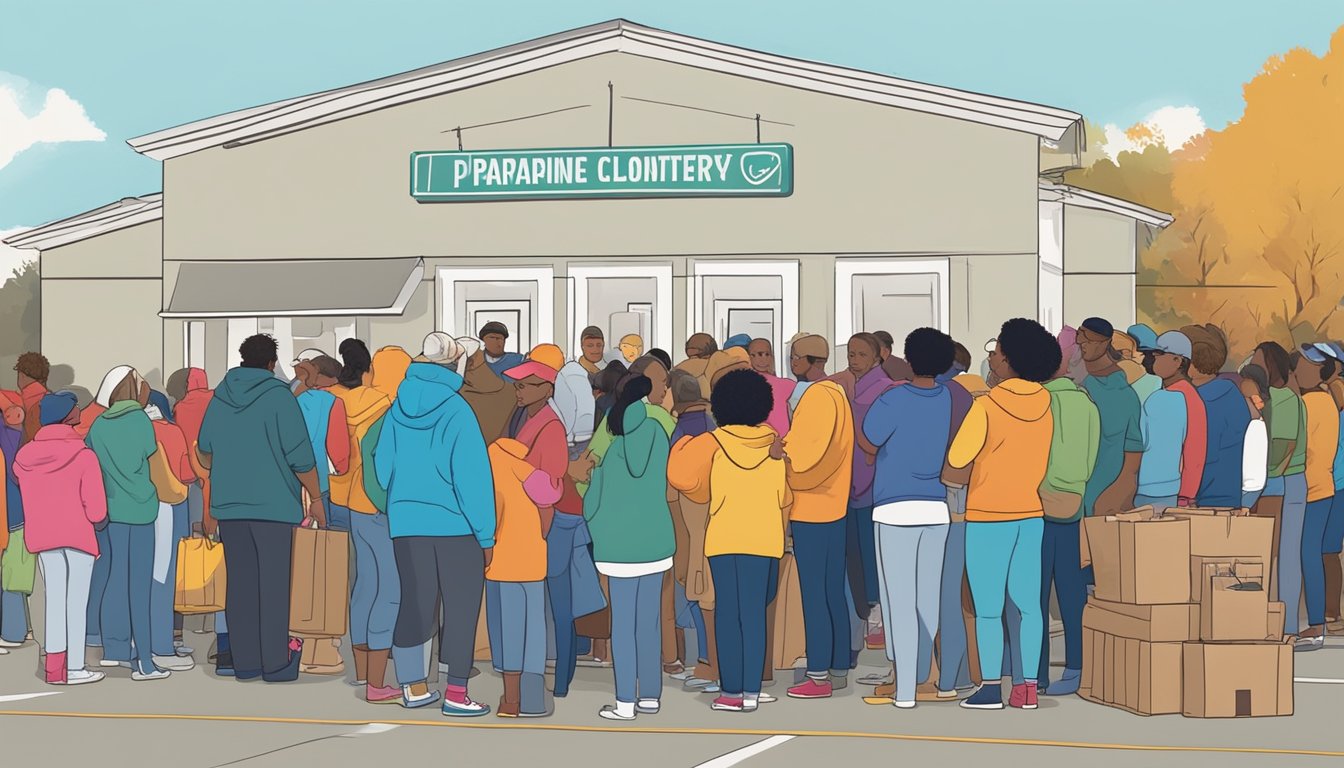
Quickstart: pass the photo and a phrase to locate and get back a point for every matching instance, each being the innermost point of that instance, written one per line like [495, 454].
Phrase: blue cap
[56, 406]
[737, 340]
[1175, 343]
[1144, 337]
[1313, 353]
[1331, 349]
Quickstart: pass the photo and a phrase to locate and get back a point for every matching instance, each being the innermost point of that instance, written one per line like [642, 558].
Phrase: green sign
[711, 170]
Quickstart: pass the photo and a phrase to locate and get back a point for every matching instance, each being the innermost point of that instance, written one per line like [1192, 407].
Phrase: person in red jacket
[32, 372]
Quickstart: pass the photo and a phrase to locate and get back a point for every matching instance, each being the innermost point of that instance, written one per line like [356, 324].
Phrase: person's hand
[489, 553]
[581, 469]
[318, 512]
[210, 527]
[869, 458]
[777, 448]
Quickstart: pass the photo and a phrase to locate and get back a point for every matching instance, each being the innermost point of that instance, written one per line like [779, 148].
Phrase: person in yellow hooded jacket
[819, 450]
[739, 470]
[1007, 434]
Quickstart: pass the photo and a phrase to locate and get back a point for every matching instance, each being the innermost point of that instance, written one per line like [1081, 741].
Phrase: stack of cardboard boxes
[1181, 619]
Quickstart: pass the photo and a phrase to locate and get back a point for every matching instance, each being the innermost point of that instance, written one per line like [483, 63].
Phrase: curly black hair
[356, 361]
[741, 397]
[259, 351]
[1031, 351]
[929, 351]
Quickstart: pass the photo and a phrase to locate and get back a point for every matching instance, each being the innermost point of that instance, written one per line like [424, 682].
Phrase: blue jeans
[861, 557]
[742, 592]
[910, 567]
[1313, 558]
[161, 594]
[1248, 498]
[636, 636]
[338, 517]
[1004, 560]
[1060, 562]
[98, 589]
[13, 617]
[376, 594]
[126, 616]
[1334, 527]
[1290, 548]
[568, 564]
[690, 616]
[954, 663]
[819, 553]
[1158, 503]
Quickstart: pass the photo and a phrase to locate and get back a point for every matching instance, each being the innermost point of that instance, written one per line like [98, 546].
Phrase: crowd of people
[600, 509]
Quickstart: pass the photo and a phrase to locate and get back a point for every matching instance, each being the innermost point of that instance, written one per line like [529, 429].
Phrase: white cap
[308, 354]
[470, 345]
[991, 345]
[440, 348]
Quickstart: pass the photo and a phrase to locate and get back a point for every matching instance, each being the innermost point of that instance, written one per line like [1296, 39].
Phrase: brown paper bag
[320, 598]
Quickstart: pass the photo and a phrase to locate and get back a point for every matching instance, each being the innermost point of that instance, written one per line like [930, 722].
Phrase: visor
[532, 368]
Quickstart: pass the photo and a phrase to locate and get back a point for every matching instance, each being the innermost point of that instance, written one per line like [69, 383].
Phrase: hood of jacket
[196, 379]
[120, 409]
[424, 395]
[242, 387]
[512, 447]
[52, 450]
[388, 370]
[1023, 400]
[640, 434]
[747, 447]
[110, 382]
[480, 380]
[1218, 389]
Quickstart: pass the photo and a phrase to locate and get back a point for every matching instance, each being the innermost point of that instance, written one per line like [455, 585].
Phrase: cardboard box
[1137, 676]
[1238, 679]
[1139, 559]
[1232, 534]
[1274, 632]
[1150, 623]
[1228, 611]
[1248, 567]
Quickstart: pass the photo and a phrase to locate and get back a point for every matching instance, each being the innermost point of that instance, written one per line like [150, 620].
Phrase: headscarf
[113, 378]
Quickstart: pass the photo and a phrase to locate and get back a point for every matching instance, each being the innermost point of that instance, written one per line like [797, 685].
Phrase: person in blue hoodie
[1227, 416]
[255, 444]
[911, 425]
[431, 458]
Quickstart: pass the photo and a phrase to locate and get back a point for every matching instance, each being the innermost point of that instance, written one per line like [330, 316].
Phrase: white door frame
[446, 279]
[846, 269]
[523, 307]
[577, 296]
[788, 274]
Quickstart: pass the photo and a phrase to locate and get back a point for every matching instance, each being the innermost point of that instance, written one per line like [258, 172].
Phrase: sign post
[712, 170]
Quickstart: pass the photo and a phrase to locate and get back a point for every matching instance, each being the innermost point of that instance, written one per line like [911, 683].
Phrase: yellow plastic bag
[201, 578]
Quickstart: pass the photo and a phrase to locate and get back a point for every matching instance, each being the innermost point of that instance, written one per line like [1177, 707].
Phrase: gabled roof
[1083, 198]
[126, 212]
[281, 117]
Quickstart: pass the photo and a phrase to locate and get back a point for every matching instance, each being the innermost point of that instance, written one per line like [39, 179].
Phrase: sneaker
[648, 706]
[411, 700]
[876, 678]
[727, 704]
[174, 663]
[617, 712]
[812, 689]
[1023, 696]
[765, 698]
[182, 650]
[985, 697]
[154, 674]
[839, 682]
[1335, 626]
[4, 651]
[387, 695]
[1309, 643]
[464, 708]
[683, 675]
[697, 682]
[83, 676]
[224, 664]
[674, 669]
[947, 694]
[10, 644]
[1066, 685]
[903, 704]
[876, 639]
[113, 663]
[290, 672]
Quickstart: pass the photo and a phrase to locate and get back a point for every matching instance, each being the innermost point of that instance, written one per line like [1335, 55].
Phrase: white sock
[751, 699]
[625, 708]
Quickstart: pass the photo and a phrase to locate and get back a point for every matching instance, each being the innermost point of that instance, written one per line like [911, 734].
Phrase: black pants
[258, 556]
[434, 568]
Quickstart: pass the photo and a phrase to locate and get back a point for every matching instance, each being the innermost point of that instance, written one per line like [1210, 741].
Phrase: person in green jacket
[122, 438]
[651, 368]
[255, 443]
[633, 542]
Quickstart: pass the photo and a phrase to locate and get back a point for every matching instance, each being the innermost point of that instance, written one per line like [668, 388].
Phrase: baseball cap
[1331, 349]
[1314, 353]
[737, 340]
[494, 326]
[1099, 326]
[1145, 338]
[591, 332]
[307, 355]
[544, 362]
[810, 345]
[440, 349]
[470, 345]
[1174, 343]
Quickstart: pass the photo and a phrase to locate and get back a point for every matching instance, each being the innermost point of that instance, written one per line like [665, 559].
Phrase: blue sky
[135, 66]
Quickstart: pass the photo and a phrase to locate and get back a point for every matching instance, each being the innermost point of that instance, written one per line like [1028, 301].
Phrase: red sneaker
[876, 640]
[726, 704]
[811, 689]
[1023, 696]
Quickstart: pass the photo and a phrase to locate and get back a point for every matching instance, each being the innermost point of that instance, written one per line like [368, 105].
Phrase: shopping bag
[201, 578]
[320, 589]
[18, 566]
[789, 643]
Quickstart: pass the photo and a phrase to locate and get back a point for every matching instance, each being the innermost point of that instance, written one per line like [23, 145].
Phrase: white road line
[1325, 680]
[23, 696]
[371, 729]
[751, 750]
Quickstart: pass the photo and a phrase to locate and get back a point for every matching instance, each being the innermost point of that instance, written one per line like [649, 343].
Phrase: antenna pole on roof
[611, 108]
[758, 127]
[458, 131]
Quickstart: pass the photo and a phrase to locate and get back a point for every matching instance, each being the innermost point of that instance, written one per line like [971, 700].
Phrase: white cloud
[12, 258]
[1172, 127]
[60, 119]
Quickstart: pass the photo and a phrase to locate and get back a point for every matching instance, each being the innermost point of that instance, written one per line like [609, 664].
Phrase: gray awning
[294, 288]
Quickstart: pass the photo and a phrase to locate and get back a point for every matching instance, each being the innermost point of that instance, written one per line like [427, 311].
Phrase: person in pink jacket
[61, 478]
[763, 362]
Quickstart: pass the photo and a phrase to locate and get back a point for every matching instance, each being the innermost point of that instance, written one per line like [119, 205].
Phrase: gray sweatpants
[910, 574]
[434, 568]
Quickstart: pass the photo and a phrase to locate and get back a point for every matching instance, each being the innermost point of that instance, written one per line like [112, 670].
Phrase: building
[730, 191]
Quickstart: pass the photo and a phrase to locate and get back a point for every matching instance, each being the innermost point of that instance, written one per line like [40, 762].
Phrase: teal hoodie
[122, 438]
[367, 449]
[431, 459]
[258, 444]
[626, 504]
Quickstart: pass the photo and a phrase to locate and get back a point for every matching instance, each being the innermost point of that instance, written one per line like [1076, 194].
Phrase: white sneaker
[648, 706]
[113, 663]
[9, 644]
[765, 698]
[174, 663]
[83, 676]
[622, 710]
[157, 674]
[903, 704]
[4, 651]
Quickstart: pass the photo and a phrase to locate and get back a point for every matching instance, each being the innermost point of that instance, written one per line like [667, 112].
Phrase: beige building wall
[1100, 260]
